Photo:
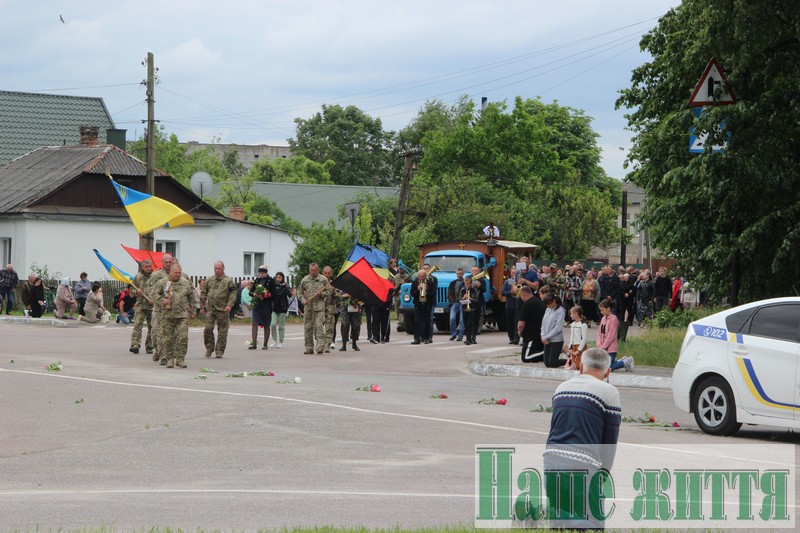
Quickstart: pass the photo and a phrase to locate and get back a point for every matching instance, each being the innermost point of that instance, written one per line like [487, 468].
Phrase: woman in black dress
[37, 298]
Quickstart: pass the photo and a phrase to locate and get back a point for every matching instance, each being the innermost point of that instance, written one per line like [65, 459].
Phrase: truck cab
[447, 261]
[489, 255]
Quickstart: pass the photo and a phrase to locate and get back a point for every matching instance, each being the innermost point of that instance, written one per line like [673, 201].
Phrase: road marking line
[280, 398]
[233, 491]
[350, 408]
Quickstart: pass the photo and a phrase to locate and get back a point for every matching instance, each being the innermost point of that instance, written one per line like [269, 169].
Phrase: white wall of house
[65, 246]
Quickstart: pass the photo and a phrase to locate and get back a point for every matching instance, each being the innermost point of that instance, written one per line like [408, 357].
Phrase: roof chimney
[236, 213]
[89, 135]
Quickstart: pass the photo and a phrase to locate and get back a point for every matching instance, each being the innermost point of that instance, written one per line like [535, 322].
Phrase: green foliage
[667, 318]
[43, 272]
[654, 347]
[323, 244]
[171, 158]
[230, 160]
[262, 210]
[351, 138]
[702, 208]
[295, 169]
[533, 171]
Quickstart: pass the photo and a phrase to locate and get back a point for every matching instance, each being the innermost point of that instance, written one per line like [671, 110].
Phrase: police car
[740, 366]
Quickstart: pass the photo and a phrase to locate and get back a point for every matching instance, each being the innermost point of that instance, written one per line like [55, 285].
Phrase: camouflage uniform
[144, 312]
[158, 330]
[217, 294]
[314, 312]
[333, 305]
[174, 340]
[155, 320]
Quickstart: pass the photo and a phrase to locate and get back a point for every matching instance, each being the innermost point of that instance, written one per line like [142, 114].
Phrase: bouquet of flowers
[259, 294]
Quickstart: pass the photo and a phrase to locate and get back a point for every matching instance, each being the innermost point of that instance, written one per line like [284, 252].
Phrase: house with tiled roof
[31, 120]
[57, 204]
[311, 202]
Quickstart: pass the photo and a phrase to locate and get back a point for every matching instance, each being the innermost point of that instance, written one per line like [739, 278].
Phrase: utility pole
[408, 166]
[622, 245]
[148, 238]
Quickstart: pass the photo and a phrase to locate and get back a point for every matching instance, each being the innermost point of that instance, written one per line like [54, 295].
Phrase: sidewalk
[645, 377]
[44, 321]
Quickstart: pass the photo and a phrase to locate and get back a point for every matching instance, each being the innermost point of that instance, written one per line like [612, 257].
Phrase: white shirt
[577, 334]
[495, 233]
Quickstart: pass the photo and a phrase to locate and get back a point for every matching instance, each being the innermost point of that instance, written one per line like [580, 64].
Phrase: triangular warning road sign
[713, 83]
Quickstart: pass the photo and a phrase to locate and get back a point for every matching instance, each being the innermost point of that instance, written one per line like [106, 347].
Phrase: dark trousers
[511, 324]
[630, 309]
[380, 323]
[351, 327]
[368, 313]
[422, 321]
[552, 352]
[471, 324]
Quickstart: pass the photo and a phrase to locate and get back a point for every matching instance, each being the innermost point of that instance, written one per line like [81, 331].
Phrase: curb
[626, 379]
[54, 322]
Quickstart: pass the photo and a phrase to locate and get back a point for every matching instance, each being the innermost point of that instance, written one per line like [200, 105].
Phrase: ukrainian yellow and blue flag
[113, 271]
[148, 212]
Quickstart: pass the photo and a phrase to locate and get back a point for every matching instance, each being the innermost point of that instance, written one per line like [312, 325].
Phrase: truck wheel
[408, 322]
[442, 323]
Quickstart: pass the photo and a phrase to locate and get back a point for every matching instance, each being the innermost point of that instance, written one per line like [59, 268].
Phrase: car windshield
[449, 263]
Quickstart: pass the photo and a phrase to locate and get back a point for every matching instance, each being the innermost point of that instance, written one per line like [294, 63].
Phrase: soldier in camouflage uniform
[333, 306]
[312, 294]
[557, 282]
[155, 278]
[144, 308]
[216, 301]
[178, 302]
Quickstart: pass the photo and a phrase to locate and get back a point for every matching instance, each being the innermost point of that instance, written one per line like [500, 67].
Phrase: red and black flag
[362, 283]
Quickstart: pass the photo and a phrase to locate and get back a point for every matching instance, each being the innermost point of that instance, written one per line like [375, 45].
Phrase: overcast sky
[241, 71]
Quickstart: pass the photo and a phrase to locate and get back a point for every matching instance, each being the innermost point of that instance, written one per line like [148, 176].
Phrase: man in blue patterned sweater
[583, 438]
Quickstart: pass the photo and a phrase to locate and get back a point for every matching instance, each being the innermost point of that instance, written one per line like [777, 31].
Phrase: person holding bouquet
[261, 301]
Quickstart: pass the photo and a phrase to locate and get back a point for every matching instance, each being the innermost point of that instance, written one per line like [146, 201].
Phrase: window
[252, 260]
[777, 322]
[168, 247]
[5, 249]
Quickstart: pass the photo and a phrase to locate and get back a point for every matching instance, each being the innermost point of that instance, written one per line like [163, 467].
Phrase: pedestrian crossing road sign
[697, 143]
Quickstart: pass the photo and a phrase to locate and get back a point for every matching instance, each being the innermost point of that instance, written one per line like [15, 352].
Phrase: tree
[702, 208]
[241, 192]
[353, 140]
[171, 158]
[295, 169]
[516, 169]
[323, 244]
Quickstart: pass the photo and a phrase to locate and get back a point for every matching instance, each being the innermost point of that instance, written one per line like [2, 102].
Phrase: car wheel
[714, 407]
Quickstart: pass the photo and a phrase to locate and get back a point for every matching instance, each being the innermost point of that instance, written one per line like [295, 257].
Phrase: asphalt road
[116, 440]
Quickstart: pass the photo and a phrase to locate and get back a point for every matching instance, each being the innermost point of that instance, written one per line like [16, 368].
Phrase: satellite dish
[201, 183]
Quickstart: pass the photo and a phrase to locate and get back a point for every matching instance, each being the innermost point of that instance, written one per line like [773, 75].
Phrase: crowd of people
[539, 304]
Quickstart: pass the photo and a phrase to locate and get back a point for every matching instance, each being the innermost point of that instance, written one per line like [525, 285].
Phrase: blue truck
[493, 256]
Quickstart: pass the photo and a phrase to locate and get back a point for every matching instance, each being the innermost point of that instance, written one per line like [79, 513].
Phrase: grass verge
[654, 347]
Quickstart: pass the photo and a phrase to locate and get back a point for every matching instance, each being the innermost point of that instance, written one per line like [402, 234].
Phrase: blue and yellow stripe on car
[755, 387]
